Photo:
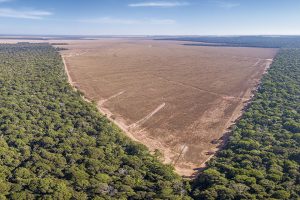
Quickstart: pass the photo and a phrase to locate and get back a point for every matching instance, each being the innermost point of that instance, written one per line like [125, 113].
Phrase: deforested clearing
[175, 98]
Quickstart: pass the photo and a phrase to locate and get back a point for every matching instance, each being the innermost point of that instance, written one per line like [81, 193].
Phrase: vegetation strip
[262, 157]
[54, 145]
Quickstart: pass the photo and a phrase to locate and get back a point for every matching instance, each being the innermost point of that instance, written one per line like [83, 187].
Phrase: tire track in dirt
[101, 102]
[67, 72]
[255, 64]
[143, 120]
[227, 97]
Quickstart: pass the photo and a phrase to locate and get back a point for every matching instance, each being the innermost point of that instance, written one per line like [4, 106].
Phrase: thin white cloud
[4, 1]
[227, 5]
[159, 4]
[23, 14]
[162, 21]
[110, 20]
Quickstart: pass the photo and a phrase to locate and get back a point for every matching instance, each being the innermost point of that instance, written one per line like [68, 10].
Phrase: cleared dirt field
[174, 98]
[178, 99]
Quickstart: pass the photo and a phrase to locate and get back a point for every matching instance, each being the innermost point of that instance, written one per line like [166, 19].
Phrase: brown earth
[178, 99]
[174, 98]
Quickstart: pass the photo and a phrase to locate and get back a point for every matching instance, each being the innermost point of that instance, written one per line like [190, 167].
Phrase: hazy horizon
[150, 17]
[133, 35]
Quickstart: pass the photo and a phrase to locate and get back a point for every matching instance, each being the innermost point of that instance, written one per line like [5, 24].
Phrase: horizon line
[142, 35]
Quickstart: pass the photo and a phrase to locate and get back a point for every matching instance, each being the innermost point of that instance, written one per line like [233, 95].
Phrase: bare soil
[178, 99]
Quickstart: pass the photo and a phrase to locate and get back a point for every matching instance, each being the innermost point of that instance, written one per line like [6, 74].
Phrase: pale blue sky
[157, 17]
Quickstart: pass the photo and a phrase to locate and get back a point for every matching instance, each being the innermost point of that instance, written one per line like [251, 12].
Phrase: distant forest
[241, 41]
[54, 145]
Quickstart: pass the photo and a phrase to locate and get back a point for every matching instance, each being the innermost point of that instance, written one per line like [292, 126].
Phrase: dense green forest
[54, 145]
[262, 157]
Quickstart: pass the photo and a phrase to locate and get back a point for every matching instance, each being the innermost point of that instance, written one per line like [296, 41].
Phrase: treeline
[54, 145]
[242, 41]
[262, 157]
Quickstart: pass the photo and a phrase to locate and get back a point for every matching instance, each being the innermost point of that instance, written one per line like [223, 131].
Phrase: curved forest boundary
[54, 145]
[262, 157]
